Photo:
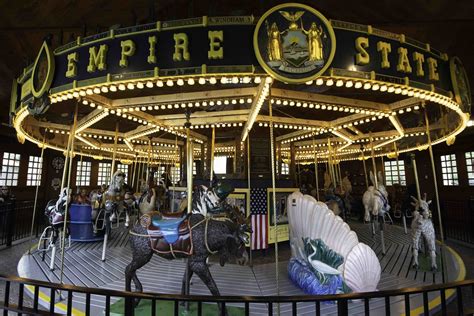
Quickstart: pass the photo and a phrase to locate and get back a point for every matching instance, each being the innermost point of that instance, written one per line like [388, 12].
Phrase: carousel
[287, 91]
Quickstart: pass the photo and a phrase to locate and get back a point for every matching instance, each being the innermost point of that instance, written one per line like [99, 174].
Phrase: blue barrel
[80, 226]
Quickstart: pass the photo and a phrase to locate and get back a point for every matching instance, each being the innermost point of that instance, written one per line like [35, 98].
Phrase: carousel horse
[375, 200]
[422, 225]
[207, 199]
[193, 236]
[55, 211]
[376, 206]
[154, 198]
[334, 201]
[118, 198]
[347, 197]
[97, 207]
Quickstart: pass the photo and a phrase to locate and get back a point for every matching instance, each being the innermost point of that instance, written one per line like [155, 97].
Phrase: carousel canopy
[328, 87]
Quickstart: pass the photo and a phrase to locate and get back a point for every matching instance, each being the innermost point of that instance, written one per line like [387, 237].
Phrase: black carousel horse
[193, 236]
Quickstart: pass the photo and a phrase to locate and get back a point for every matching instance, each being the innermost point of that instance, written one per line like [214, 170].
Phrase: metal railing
[15, 220]
[458, 217]
[247, 302]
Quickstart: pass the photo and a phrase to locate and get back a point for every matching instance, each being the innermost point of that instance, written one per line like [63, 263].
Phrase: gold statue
[293, 18]
[274, 43]
[315, 43]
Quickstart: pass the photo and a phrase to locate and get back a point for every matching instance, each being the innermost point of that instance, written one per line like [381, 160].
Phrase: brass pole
[396, 161]
[134, 170]
[248, 185]
[112, 169]
[274, 203]
[316, 170]
[189, 166]
[435, 180]
[374, 167]
[43, 145]
[70, 153]
[139, 173]
[339, 171]
[213, 144]
[365, 170]
[149, 160]
[415, 171]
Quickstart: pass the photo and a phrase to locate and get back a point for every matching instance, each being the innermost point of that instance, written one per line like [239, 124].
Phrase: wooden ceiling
[447, 25]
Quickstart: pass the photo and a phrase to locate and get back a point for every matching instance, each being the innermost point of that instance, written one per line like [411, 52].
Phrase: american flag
[259, 215]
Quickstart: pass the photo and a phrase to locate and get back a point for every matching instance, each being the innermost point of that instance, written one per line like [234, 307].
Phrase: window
[394, 175]
[285, 168]
[35, 168]
[83, 173]
[10, 169]
[175, 174]
[220, 164]
[449, 170]
[470, 167]
[104, 173]
[161, 170]
[124, 169]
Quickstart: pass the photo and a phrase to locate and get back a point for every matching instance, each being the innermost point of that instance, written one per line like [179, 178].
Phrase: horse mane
[113, 182]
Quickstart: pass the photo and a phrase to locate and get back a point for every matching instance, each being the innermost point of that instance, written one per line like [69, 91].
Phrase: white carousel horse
[327, 256]
[422, 225]
[118, 198]
[204, 199]
[375, 200]
[55, 211]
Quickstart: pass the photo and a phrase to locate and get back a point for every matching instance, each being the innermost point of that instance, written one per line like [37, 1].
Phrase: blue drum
[80, 226]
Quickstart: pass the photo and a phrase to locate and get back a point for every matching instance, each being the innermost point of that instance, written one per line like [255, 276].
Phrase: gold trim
[49, 76]
[454, 80]
[270, 71]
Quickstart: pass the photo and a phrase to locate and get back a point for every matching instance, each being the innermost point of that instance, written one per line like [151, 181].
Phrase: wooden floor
[83, 267]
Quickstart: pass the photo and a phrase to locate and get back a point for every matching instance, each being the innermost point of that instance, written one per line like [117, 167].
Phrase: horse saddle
[169, 233]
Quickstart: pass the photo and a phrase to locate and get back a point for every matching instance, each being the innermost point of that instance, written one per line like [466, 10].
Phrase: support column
[203, 161]
[415, 172]
[293, 163]
[435, 180]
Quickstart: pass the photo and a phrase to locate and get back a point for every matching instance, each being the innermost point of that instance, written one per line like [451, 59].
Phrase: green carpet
[167, 308]
[425, 262]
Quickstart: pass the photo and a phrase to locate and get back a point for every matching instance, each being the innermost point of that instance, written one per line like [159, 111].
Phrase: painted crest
[294, 43]
[462, 91]
[41, 79]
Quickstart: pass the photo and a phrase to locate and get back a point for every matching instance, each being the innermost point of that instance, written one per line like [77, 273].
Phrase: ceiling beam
[184, 96]
[292, 121]
[260, 96]
[330, 99]
[291, 135]
[90, 119]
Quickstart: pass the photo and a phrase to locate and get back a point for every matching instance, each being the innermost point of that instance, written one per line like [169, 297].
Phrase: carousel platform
[83, 267]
